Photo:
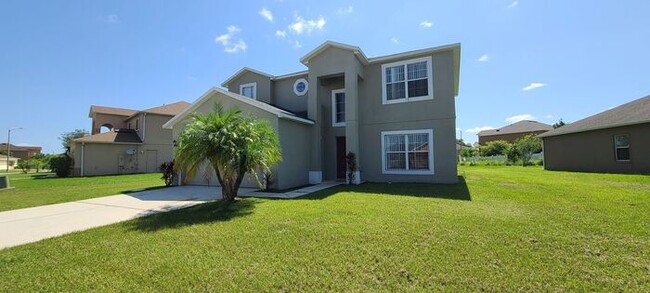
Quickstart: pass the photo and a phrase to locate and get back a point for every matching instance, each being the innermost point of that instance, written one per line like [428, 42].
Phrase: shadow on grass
[458, 191]
[217, 211]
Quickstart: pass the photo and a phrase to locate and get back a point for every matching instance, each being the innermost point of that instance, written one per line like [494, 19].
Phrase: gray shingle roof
[635, 112]
[517, 127]
[128, 136]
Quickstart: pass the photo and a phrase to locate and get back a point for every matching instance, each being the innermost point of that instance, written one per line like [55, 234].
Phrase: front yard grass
[499, 229]
[35, 189]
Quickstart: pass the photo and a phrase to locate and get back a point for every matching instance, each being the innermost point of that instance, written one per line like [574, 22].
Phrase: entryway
[340, 157]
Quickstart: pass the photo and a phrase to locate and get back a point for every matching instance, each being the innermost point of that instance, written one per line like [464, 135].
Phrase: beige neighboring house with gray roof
[512, 132]
[613, 141]
[396, 113]
[133, 141]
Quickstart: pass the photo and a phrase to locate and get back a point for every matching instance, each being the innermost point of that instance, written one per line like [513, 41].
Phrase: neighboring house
[21, 152]
[13, 161]
[396, 113]
[613, 141]
[512, 132]
[134, 143]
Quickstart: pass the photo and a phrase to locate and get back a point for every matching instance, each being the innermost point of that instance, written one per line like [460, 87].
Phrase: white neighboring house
[12, 162]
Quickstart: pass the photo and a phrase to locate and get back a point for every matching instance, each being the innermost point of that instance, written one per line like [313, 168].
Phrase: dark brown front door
[340, 157]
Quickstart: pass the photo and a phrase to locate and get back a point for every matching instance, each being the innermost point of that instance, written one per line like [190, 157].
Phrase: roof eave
[548, 134]
[242, 71]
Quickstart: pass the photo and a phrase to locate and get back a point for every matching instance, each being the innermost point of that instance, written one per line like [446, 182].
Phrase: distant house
[134, 141]
[13, 161]
[613, 141]
[512, 132]
[21, 152]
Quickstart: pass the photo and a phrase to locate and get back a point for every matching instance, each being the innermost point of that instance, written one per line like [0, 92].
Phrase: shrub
[351, 162]
[168, 174]
[526, 146]
[24, 165]
[494, 148]
[60, 164]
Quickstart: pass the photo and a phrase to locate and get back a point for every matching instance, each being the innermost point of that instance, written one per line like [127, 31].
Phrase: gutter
[144, 126]
[82, 158]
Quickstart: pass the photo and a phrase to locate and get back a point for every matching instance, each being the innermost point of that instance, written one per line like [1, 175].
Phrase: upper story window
[137, 124]
[338, 107]
[622, 147]
[300, 87]
[404, 81]
[248, 90]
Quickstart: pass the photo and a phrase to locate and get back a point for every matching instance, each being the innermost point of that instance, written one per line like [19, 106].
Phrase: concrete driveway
[37, 223]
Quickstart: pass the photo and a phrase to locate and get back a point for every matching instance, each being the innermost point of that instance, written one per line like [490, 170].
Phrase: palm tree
[231, 143]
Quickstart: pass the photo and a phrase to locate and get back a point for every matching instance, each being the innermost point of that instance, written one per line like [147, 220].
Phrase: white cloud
[426, 24]
[483, 58]
[297, 45]
[520, 117]
[549, 116]
[266, 14]
[301, 25]
[533, 85]
[513, 4]
[281, 34]
[346, 10]
[230, 46]
[113, 18]
[478, 129]
[394, 40]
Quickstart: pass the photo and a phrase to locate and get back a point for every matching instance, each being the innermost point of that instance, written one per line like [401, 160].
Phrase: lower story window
[622, 147]
[407, 152]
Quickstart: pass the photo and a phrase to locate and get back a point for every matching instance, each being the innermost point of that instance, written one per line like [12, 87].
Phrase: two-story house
[135, 141]
[396, 113]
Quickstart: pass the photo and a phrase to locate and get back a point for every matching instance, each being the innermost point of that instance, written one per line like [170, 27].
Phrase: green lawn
[35, 189]
[500, 229]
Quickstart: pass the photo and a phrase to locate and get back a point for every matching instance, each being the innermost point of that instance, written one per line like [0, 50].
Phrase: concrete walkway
[33, 224]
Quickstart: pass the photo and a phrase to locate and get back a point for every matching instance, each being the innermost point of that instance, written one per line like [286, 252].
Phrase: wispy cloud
[112, 18]
[533, 85]
[230, 46]
[394, 40]
[549, 116]
[281, 34]
[266, 14]
[520, 117]
[478, 129]
[301, 25]
[513, 4]
[426, 24]
[483, 58]
[346, 10]
[297, 45]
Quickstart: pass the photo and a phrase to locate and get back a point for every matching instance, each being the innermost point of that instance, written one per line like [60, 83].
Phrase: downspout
[82, 158]
[144, 126]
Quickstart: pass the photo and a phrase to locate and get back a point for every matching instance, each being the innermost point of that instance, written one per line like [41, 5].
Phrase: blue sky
[541, 60]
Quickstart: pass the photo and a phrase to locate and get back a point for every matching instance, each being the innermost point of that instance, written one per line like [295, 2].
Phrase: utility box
[4, 182]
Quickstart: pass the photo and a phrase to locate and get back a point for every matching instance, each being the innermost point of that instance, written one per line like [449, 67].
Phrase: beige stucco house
[12, 161]
[135, 141]
[396, 113]
[613, 141]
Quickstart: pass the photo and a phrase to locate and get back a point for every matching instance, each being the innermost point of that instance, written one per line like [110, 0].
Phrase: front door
[340, 157]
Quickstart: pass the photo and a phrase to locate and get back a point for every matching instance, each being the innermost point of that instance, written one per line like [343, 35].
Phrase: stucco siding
[293, 170]
[106, 159]
[263, 85]
[285, 98]
[593, 151]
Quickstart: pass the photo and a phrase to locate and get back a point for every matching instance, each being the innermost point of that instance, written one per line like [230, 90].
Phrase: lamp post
[8, 144]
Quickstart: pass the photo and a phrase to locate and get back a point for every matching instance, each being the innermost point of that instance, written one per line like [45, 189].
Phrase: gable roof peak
[331, 44]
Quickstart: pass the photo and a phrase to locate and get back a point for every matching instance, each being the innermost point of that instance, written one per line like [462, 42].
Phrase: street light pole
[8, 144]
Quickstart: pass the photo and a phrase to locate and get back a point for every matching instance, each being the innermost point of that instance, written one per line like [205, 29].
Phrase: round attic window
[300, 87]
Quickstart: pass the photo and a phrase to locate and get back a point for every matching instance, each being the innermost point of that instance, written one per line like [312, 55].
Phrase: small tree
[60, 164]
[168, 174]
[67, 137]
[24, 165]
[467, 152]
[231, 143]
[494, 148]
[526, 146]
[351, 163]
[559, 124]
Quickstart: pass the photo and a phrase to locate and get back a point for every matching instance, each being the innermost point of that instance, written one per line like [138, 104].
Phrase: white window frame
[334, 123]
[431, 170]
[625, 147]
[404, 63]
[295, 87]
[252, 84]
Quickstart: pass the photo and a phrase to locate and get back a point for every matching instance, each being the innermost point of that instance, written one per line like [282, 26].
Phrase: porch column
[313, 113]
[352, 121]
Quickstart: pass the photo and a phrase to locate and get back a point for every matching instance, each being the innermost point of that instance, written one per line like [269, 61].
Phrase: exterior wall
[511, 137]
[438, 114]
[136, 124]
[292, 171]
[12, 163]
[23, 154]
[593, 151]
[100, 119]
[263, 85]
[285, 98]
[105, 159]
